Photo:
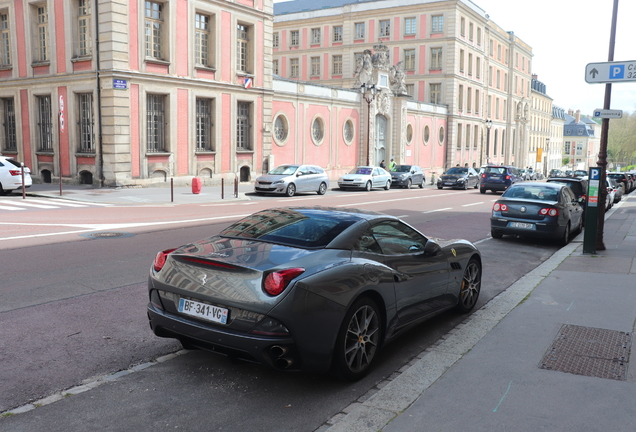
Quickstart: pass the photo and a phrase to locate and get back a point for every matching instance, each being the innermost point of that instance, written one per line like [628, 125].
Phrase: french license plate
[521, 225]
[202, 310]
[448, 183]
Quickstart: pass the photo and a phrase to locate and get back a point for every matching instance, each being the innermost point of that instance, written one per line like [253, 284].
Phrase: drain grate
[106, 235]
[590, 352]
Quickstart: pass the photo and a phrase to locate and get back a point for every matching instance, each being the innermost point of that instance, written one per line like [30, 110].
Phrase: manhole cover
[106, 235]
[589, 351]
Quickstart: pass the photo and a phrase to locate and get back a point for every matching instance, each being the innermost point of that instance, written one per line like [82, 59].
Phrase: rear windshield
[304, 228]
[537, 192]
[13, 162]
[496, 170]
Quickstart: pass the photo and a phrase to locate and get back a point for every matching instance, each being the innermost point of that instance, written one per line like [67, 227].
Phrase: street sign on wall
[608, 113]
[610, 72]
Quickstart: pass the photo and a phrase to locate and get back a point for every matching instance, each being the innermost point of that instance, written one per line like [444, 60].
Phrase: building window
[498, 79]
[498, 52]
[385, 28]
[409, 26]
[442, 135]
[566, 149]
[204, 124]
[470, 64]
[475, 136]
[409, 133]
[479, 36]
[436, 93]
[8, 123]
[462, 26]
[467, 136]
[317, 130]
[83, 28]
[294, 38]
[348, 132]
[243, 48]
[315, 36]
[45, 124]
[337, 65]
[360, 33]
[461, 60]
[491, 50]
[409, 59]
[470, 32]
[275, 40]
[461, 98]
[315, 66]
[156, 123]
[337, 33]
[280, 129]
[437, 24]
[476, 101]
[410, 89]
[436, 58]
[275, 67]
[202, 39]
[243, 126]
[490, 76]
[427, 134]
[42, 52]
[5, 46]
[469, 99]
[85, 123]
[154, 30]
[294, 68]
[478, 68]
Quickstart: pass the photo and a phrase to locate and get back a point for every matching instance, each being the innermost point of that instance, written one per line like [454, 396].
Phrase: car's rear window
[496, 170]
[13, 162]
[535, 192]
[305, 228]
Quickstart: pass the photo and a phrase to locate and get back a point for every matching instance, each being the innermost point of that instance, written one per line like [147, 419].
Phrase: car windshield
[496, 170]
[403, 168]
[457, 170]
[284, 170]
[362, 170]
[536, 192]
[304, 228]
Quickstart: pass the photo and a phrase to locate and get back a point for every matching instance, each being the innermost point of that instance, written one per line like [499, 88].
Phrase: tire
[496, 235]
[291, 190]
[440, 187]
[470, 288]
[408, 184]
[387, 186]
[482, 191]
[368, 186]
[476, 185]
[565, 238]
[422, 184]
[2, 191]
[464, 186]
[322, 189]
[358, 340]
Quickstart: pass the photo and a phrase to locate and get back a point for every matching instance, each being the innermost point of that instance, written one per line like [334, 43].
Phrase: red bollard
[196, 185]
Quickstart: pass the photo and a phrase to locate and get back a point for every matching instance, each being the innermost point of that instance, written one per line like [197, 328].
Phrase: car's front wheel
[471, 286]
[368, 186]
[422, 184]
[291, 190]
[322, 189]
[408, 184]
[387, 186]
[358, 340]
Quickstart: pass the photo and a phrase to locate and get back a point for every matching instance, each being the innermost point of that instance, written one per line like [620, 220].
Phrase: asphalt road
[72, 308]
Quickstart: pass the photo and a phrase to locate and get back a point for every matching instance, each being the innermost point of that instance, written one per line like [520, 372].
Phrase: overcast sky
[566, 35]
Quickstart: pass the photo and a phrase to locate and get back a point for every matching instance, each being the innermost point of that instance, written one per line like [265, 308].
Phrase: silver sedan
[365, 177]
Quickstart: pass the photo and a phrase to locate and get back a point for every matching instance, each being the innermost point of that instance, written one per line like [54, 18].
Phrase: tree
[621, 141]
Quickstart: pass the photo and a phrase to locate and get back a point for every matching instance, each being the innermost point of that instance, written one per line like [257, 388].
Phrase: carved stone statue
[397, 76]
[381, 57]
[364, 69]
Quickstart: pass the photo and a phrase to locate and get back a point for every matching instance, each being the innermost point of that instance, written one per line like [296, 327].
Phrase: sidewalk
[551, 353]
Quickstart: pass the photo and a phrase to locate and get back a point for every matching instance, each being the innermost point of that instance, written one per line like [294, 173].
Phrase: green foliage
[565, 161]
[621, 141]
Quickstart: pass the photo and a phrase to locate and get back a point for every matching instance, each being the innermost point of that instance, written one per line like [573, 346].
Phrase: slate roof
[287, 7]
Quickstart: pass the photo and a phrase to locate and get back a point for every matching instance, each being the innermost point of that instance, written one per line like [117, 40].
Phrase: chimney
[535, 76]
[570, 112]
[578, 116]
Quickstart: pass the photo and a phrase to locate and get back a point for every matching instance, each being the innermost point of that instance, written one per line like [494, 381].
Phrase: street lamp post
[488, 126]
[368, 93]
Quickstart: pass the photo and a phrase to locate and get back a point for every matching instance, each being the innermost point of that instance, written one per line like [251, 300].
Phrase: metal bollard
[23, 187]
[235, 187]
[171, 189]
[222, 188]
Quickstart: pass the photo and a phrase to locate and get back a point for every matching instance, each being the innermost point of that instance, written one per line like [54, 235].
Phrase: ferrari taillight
[160, 259]
[276, 282]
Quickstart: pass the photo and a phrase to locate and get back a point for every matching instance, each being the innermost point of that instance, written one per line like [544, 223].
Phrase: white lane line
[26, 204]
[57, 202]
[438, 210]
[11, 208]
[468, 205]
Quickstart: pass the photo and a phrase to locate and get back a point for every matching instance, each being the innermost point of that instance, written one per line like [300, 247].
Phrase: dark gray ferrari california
[309, 288]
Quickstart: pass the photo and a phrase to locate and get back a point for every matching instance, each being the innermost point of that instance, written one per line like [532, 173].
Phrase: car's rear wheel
[2, 191]
[387, 186]
[471, 286]
[408, 184]
[482, 190]
[368, 186]
[565, 238]
[495, 234]
[358, 340]
[322, 189]
[291, 190]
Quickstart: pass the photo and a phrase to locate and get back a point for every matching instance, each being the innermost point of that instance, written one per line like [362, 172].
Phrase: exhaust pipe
[283, 363]
[278, 351]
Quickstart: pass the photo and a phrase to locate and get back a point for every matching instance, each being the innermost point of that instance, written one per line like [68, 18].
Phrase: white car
[11, 175]
[289, 179]
[366, 177]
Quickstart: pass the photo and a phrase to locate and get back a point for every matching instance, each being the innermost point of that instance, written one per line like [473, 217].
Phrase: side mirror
[431, 248]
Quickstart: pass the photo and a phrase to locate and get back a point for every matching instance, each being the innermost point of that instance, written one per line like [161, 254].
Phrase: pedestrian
[382, 165]
[392, 165]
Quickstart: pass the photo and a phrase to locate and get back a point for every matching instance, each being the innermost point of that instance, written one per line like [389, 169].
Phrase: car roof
[556, 185]
[564, 179]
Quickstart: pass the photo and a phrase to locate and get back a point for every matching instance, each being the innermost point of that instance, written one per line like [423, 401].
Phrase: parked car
[556, 173]
[579, 173]
[611, 194]
[309, 288]
[290, 179]
[623, 178]
[459, 178]
[618, 188]
[537, 210]
[365, 177]
[498, 178]
[407, 175]
[11, 175]
[525, 174]
[578, 185]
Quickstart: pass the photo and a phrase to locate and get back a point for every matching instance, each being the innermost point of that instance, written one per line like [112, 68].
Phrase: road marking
[468, 205]
[438, 210]
[11, 208]
[55, 201]
[25, 204]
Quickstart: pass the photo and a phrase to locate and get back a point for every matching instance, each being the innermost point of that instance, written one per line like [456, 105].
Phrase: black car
[578, 185]
[309, 288]
[498, 178]
[537, 209]
[407, 175]
[459, 178]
